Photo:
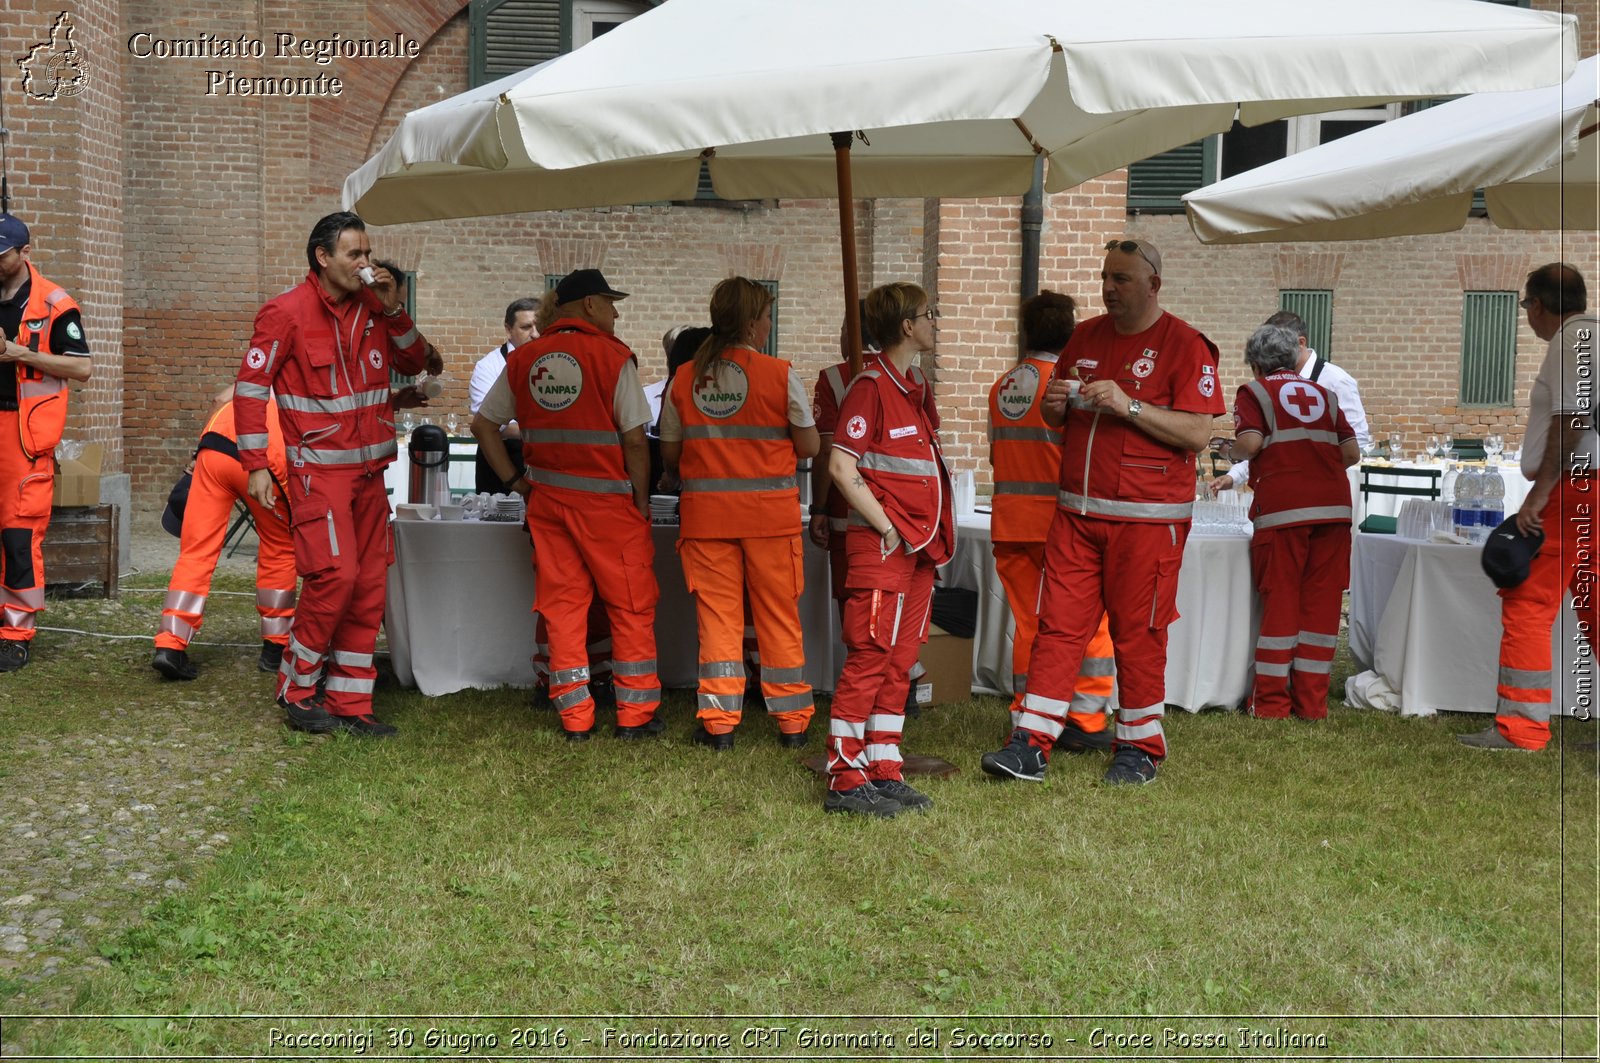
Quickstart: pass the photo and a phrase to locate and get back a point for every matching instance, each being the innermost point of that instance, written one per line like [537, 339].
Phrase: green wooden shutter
[551, 280]
[1154, 184]
[511, 35]
[1315, 306]
[1488, 348]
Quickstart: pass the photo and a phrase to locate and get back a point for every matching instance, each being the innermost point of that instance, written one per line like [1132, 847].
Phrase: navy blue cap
[1508, 553]
[12, 233]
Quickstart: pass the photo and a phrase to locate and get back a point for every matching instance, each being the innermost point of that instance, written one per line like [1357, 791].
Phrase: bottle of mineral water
[1469, 492]
[1494, 503]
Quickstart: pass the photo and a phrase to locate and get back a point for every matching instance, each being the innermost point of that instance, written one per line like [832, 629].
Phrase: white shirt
[485, 373]
[799, 411]
[1565, 385]
[652, 395]
[1348, 392]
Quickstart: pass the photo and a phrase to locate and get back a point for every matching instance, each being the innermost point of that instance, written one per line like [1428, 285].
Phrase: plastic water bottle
[1469, 490]
[1494, 503]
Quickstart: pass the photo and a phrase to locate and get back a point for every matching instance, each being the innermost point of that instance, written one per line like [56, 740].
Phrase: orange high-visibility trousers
[25, 490]
[585, 544]
[1020, 566]
[219, 481]
[770, 572]
[1528, 611]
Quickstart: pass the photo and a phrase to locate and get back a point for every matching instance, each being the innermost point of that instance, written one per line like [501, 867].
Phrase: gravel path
[118, 786]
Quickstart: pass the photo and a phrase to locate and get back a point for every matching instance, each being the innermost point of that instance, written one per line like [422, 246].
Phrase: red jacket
[832, 383]
[884, 424]
[1298, 476]
[1026, 452]
[1110, 468]
[565, 386]
[41, 398]
[328, 365]
[738, 462]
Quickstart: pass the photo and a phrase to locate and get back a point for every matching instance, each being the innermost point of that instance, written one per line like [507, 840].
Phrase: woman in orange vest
[1026, 455]
[734, 426]
[887, 463]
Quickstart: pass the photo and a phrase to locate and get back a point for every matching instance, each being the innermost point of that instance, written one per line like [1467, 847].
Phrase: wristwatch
[1135, 408]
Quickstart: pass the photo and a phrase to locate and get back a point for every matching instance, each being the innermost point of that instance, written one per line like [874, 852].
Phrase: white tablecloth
[460, 595]
[1426, 618]
[1210, 649]
[1517, 488]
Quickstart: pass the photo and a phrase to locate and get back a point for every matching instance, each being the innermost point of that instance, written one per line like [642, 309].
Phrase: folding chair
[1468, 450]
[243, 525]
[1426, 485]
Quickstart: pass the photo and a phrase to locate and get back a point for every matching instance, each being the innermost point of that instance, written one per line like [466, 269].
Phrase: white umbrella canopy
[955, 97]
[1535, 154]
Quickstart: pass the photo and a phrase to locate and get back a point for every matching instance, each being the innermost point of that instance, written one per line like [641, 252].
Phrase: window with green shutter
[551, 280]
[408, 278]
[1488, 348]
[1315, 307]
[507, 36]
[1154, 184]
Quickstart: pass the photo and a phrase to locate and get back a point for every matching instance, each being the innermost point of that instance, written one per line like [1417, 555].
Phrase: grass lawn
[1366, 880]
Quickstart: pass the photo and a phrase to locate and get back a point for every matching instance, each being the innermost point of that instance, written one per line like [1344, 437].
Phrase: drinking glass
[450, 425]
[1395, 441]
[1494, 445]
[1433, 446]
[1447, 445]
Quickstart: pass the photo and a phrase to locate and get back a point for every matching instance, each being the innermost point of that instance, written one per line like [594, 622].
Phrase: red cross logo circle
[1303, 400]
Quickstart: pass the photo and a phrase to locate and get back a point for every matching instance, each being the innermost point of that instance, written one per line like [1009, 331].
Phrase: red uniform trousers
[1301, 573]
[219, 481]
[1020, 566]
[765, 575]
[25, 490]
[1528, 611]
[342, 551]
[1127, 570]
[587, 544]
[883, 632]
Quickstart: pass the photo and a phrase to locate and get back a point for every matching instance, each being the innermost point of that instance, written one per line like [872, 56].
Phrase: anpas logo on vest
[1016, 394]
[722, 394]
[555, 381]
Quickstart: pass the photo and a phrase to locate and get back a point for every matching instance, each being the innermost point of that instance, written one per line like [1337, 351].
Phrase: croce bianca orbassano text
[226, 81]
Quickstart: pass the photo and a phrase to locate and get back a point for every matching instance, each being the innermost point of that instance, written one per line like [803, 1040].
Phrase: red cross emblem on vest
[1303, 400]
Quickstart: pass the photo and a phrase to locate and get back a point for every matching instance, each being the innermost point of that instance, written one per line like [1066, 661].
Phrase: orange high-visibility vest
[738, 462]
[41, 398]
[1026, 452]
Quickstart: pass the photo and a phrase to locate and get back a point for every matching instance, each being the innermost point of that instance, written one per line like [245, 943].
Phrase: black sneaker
[1130, 766]
[721, 743]
[1075, 739]
[310, 715]
[174, 664]
[649, 729]
[271, 656]
[604, 693]
[902, 793]
[864, 800]
[13, 654]
[579, 736]
[796, 740]
[364, 726]
[1020, 759]
[541, 697]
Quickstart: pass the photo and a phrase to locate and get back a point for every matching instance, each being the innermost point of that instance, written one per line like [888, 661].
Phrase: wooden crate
[80, 548]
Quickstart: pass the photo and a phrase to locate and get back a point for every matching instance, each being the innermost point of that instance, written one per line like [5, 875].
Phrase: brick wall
[64, 161]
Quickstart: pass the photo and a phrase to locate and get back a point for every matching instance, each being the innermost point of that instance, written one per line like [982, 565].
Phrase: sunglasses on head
[1131, 247]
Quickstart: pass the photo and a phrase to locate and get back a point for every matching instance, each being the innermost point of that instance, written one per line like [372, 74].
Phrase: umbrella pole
[847, 251]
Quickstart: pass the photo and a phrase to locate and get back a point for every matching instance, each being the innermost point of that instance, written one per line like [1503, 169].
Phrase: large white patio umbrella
[1535, 154]
[946, 97]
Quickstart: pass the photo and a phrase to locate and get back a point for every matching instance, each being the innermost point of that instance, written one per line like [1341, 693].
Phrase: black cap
[584, 282]
[1508, 552]
[177, 502]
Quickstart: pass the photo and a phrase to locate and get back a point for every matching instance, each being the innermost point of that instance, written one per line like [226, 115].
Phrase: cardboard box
[948, 660]
[78, 480]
